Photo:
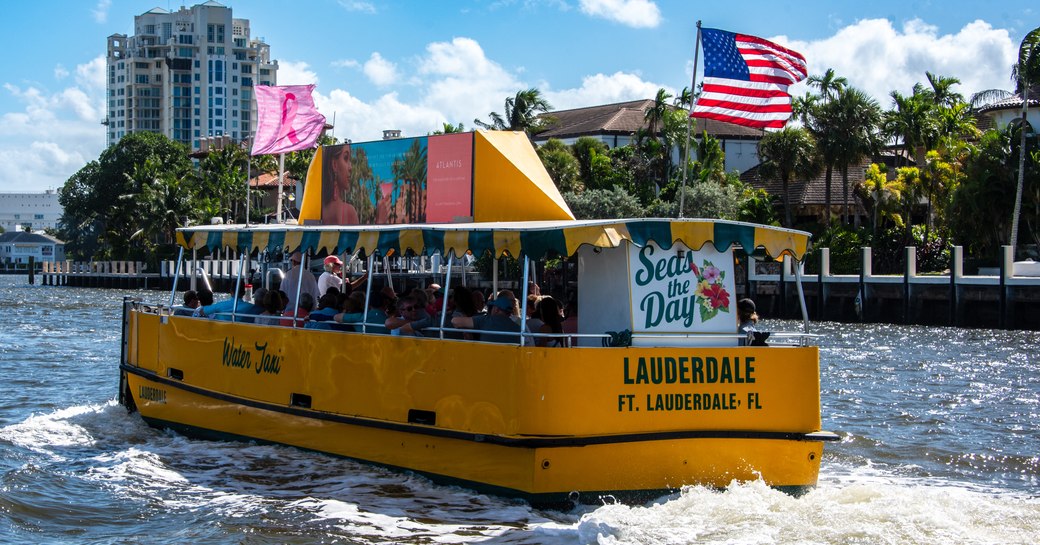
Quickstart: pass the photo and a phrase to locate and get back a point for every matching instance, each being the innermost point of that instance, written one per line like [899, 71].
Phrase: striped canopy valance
[531, 238]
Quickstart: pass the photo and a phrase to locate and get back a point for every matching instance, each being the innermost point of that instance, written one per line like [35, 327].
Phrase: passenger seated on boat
[375, 315]
[570, 319]
[514, 312]
[304, 310]
[221, 310]
[479, 302]
[205, 299]
[411, 309]
[534, 320]
[327, 309]
[273, 306]
[748, 317]
[498, 319]
[191, 302]
[551, 313]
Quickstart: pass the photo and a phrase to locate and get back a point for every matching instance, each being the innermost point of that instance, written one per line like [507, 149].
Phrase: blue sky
[413, 65]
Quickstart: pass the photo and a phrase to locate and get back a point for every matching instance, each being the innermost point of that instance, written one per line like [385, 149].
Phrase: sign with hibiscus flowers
[679, 290]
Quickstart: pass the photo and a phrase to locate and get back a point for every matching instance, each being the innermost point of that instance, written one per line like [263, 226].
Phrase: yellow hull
[539, 423]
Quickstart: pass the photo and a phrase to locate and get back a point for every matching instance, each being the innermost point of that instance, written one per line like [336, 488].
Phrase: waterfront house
[16, 247]
[616, 125]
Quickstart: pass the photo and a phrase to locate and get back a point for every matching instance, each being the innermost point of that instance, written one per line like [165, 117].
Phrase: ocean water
[938, 425]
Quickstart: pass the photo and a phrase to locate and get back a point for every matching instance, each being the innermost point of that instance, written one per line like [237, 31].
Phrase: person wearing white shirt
[298, 276]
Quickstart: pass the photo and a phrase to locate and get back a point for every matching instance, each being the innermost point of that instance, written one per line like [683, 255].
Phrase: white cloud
[60, 72]
[54, 134]
[604, 89]
[100, 11]
[296, 73]
[380, 71]
[878, 58]
[633, 13]
[346, 63]
[357, 6]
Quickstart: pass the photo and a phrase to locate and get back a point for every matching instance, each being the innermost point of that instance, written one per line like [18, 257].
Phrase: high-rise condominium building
[188, 74]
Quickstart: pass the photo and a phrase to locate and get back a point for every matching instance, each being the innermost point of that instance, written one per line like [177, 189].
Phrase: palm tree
[1025, 74]
[786, 153]
[853, 117]
[910, 121]
[829, 84]
[654, 116]
[941, 90]
[684, 99]
[521, 113]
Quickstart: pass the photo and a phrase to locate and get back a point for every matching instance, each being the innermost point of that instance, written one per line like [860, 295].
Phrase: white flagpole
[689, 121]
[249, 172]
[281, 175]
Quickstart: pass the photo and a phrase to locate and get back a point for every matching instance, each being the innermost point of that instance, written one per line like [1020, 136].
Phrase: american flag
[746, 80]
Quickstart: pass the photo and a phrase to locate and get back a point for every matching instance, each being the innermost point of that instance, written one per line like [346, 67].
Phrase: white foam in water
[874, 510]
[42, 433]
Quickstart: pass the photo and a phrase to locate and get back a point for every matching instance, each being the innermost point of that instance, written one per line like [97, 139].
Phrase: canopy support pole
[523, 301]
[238, 286]
[801, 292]
[176, 275]
[447, 290]
[368, 293]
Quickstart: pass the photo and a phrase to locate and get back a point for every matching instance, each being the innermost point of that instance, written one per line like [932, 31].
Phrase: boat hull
[545, 424]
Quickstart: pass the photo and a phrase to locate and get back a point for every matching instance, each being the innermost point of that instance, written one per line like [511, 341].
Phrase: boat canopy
[531, 238]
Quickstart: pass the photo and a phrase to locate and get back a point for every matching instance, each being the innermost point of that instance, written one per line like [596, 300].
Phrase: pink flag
[286, 119]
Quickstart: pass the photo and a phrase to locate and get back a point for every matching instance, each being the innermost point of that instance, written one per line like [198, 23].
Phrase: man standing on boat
[293, 279]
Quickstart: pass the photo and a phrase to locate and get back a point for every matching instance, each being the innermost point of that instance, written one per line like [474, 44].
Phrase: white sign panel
[682, 291]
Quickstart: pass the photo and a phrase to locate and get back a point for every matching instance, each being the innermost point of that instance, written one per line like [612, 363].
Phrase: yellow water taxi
[655, 390]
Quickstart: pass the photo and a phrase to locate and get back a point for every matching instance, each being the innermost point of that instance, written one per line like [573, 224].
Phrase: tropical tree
[942, 90]
[448, 128]
[1025, 74]
[521, 113]
[654, 115]
[911, 122]
[884, 196]
[561, 165]
[585, 150]
[785, 154]
[105, 203]
[829, 84]
[853, 117]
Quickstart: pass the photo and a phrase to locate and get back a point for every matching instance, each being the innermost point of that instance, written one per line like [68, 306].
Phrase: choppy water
[939, 445]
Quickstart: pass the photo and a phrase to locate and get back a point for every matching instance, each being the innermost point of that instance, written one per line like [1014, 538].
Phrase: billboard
[406, 180]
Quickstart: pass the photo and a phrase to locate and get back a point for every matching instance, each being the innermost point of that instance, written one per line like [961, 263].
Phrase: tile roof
[626, 118]
[270, 180]
[814, 191]
[1014, 102]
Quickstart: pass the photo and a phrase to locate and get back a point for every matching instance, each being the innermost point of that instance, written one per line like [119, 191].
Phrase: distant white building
[18, 247]
[38, 211]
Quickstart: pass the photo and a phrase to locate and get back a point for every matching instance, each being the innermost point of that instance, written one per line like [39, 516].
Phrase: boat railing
[568, 339]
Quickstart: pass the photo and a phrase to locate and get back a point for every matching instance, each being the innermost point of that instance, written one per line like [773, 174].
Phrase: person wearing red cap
[331, 277]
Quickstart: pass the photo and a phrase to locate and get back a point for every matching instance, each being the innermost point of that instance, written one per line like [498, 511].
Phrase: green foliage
[845, 243]
[107, 206]
[521, 113]
[614, 203]
[563, 168]
[710, 200]
[757, 206]
[785, 155]
[586, 150]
